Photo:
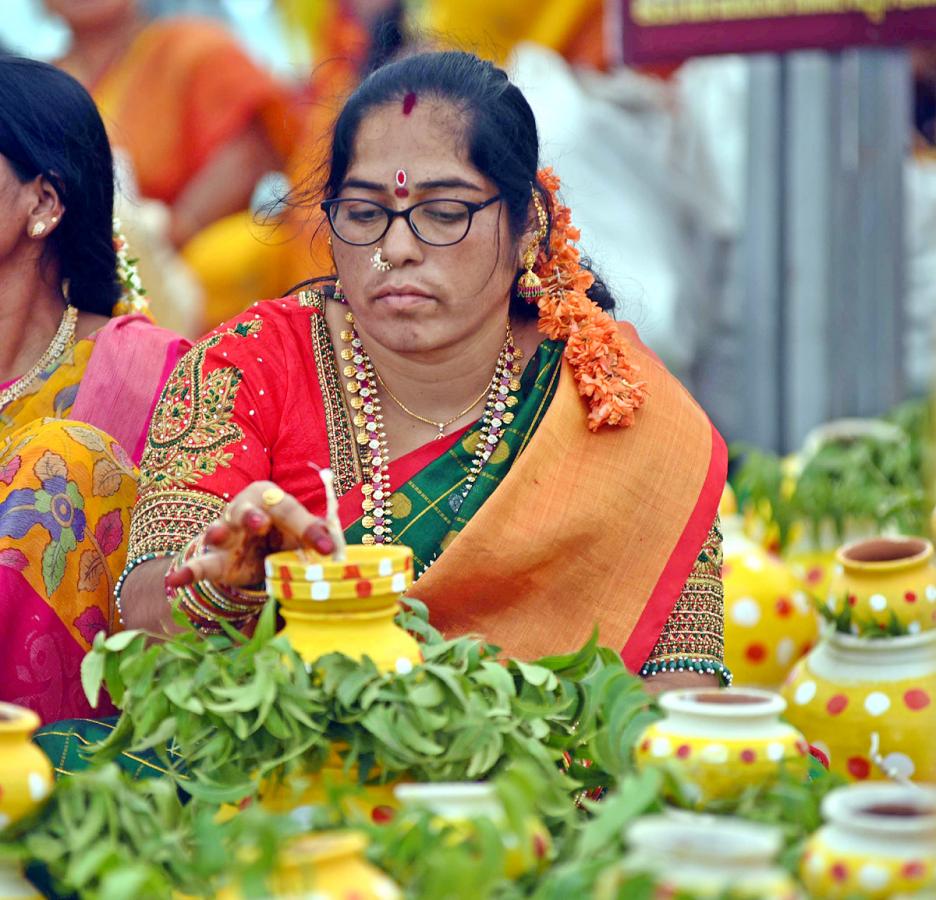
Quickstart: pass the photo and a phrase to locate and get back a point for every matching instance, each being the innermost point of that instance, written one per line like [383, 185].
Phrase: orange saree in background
[181, 91]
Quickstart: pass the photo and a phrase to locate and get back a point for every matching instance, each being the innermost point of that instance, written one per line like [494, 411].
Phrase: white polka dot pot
[770, 621]
[879, 840]
[25, 771]
[346, 608]
[25, 782]
[885, 578]
[722, 742]
[849, 689]
[689, 854]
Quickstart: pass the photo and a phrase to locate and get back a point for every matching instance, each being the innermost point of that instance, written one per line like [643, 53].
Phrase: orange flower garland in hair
[594, 348]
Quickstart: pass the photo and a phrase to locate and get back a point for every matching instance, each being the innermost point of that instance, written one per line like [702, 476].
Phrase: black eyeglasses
[440, 223]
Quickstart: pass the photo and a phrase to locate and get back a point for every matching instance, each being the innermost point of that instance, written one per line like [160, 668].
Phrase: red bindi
[400, 179]
[409, 101]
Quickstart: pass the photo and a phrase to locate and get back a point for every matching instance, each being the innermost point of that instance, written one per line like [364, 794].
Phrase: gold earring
[38, 229]
[54, 219]
[338, 294]
[529, 287]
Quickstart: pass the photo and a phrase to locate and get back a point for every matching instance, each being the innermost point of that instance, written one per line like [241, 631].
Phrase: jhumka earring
[339, 294]
[529, 287]
[379, 263]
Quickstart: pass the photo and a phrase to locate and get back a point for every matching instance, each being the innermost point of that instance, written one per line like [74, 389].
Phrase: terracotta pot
[459, 802]
[849, 688]
[346, 607]
[706, 856]
[770, 621]
[722, 742]
[879, 840]
[886, 577]
[25, 782]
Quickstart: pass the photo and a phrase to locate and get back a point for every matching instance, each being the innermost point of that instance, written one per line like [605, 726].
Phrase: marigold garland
[594, 348]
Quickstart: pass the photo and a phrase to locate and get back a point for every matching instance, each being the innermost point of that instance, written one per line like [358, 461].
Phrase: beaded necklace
[64, 337]
[371, 437]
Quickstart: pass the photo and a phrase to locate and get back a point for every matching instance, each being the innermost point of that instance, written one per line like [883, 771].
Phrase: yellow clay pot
[350, 615]
[25, 771]
[879, 840]
[326, 866]
[770, 621]
[849, 689]
[25, 782]
[881, 577]
[722, 742]
[704, 856]
[457, 803]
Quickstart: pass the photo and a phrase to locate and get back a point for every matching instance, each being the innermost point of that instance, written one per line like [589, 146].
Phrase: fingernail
[319, 538]
[215, 533]
[255, 521]
[180, 577]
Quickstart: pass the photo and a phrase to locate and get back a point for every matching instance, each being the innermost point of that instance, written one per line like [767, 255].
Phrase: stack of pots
[866, 698]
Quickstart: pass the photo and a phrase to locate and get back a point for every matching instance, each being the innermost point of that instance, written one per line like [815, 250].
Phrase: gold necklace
[443, 425]
[60, 343]
[377, 506]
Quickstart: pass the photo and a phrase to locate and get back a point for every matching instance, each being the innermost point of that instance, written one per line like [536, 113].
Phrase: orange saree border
[586, 528]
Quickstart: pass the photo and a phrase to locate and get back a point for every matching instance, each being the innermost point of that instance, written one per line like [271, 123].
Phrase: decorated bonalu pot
[346, 606]
[886, 578]
[326, 866]
[25, 782]
[722, 742]
[457, 803]
[879, 840]
[770, 621]
[706, 856]
[849, 689]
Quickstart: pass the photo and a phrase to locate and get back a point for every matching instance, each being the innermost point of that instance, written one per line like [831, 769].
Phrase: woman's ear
[535, 232]
[45, 207]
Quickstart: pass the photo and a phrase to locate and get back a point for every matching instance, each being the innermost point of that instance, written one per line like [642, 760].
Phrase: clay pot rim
[323, 846]
[884, 644]
[420, 792]
[683, 700]
[923, 552]
[847, 806]
[357, 555]
[690, 834]
[17, 719]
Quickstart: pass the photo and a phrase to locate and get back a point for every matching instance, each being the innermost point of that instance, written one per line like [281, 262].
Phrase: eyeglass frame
[473, 209]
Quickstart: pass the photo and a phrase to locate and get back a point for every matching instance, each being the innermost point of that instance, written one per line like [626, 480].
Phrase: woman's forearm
[143, 602]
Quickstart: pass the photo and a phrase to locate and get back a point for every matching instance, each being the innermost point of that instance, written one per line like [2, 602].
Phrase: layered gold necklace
[362, 386]
[63, 339]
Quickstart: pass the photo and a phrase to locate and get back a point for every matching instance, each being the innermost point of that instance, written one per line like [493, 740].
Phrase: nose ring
[379, 263]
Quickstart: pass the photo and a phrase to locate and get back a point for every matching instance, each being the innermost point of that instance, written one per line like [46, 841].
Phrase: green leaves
[879, 479]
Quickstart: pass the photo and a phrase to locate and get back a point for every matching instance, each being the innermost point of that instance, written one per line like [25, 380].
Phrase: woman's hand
[260, 520]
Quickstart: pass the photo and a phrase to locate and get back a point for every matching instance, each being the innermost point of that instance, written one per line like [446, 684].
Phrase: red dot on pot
[352, 572]
[645, 745]
[836, 704]
[784, 608]
[839, 872]
[380, 815]
[852, 599]
[748, 756]
[756, 652]
[910, 597]
[916, 699]
[859, 767]
[363, 588]
[913, 869]
[814, 575]
[683, 750]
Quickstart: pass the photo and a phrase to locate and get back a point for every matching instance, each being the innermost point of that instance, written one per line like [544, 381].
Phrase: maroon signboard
[657, 31]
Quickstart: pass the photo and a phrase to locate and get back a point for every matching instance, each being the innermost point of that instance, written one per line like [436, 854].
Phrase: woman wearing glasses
[460, 376]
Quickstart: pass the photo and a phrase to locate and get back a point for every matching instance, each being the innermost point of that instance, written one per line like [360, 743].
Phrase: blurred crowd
[218, 153]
